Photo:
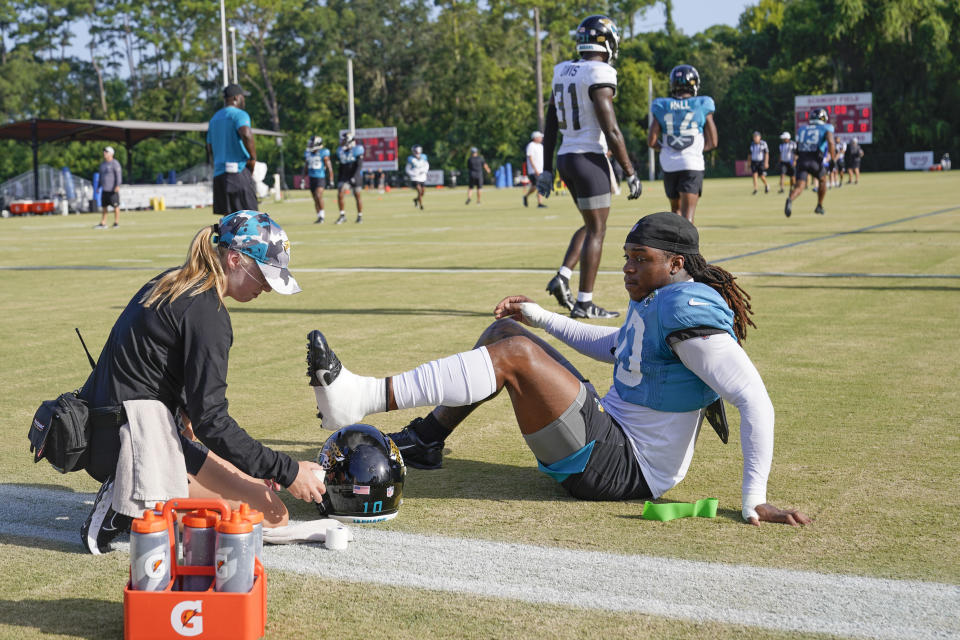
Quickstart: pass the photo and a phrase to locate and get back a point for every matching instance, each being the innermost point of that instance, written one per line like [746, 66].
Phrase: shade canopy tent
[127, 132]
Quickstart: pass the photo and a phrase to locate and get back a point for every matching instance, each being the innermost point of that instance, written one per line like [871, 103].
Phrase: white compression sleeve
[723, 364]
[454, 381]
[594, 341]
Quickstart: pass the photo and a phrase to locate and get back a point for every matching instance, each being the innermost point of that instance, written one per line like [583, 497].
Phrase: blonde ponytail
[203, 270]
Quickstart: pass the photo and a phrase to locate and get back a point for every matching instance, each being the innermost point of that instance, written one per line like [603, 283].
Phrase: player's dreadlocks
[725, 284]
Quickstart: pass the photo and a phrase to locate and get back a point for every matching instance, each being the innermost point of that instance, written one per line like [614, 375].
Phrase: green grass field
[862, 371]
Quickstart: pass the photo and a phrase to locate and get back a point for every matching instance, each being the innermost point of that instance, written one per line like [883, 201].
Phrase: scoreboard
[379, 148]
[851, 114]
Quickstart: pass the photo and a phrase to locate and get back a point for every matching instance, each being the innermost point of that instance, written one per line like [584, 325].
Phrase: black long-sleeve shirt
[177, 353]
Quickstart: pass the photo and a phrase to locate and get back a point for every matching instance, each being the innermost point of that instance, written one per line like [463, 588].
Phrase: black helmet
[598, 33]
[819, 115]
[316, 142]
[684, 79]
[364, 474]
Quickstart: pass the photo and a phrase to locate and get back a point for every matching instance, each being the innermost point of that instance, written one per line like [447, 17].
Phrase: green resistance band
[706, 508]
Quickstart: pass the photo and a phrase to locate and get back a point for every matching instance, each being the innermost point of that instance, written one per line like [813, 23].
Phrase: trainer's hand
[636, 188]
[308, 486]
[769, 513]
[545, 183]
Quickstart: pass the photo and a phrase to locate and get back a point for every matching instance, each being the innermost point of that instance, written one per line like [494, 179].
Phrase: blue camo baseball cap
[256, 235]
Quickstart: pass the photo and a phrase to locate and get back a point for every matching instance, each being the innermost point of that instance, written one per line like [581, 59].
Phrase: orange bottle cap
[248, 513]
[149, 523]
[201, 519]
[236, 524]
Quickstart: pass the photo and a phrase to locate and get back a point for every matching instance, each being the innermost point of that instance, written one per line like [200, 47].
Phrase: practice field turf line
[835, 235]
[755, 274]
[777, 599]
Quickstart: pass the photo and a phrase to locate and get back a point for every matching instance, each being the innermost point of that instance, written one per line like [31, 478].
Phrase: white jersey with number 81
[572, 82]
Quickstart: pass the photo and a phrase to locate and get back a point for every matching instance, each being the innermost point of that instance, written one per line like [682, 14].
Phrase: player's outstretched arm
[768, 513]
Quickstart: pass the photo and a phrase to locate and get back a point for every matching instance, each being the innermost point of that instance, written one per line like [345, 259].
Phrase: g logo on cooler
[185, 618]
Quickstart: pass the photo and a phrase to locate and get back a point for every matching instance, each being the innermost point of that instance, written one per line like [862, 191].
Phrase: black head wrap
[667, 231]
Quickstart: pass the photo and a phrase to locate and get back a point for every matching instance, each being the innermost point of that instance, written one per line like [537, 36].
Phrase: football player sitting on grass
[675, 356]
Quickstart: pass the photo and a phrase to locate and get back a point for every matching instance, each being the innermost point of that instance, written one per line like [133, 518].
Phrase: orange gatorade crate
[174, 614]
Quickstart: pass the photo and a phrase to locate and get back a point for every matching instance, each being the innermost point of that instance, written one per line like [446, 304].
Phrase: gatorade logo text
[226, 566]
[185, 618]
[154, 565]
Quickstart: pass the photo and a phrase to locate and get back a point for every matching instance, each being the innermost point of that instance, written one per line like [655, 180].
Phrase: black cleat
[103, 524]
[819, 210]
[341, 219]
[559, 288]
[323, 365]
[417, 453]
[788, 208]
[319, 220]
[591, 311]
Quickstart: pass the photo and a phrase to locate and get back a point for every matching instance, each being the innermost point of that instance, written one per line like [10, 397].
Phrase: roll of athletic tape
[337, 538]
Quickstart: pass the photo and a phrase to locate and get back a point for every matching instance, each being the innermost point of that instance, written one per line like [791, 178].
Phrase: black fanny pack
[60, 432]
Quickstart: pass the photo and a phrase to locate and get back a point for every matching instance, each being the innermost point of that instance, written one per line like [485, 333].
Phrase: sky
[690, 16]
[694, 16]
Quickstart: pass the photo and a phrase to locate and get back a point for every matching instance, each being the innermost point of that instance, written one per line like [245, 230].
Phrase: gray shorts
[612, 471]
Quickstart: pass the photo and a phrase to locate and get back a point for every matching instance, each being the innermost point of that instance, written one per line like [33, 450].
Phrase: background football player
[416, 170]
[814, 140]
[350, 157]
[316, 166]
[682, 130]
[581, 108]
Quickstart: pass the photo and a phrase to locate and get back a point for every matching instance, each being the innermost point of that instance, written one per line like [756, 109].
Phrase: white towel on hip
[151, 467]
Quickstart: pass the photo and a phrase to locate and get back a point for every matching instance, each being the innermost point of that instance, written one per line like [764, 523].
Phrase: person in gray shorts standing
[111, 177]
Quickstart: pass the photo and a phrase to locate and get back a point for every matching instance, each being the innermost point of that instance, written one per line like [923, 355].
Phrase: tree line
[451, 74]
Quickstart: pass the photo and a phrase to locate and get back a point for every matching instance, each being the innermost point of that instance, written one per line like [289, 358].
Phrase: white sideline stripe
[755, 274]
[786, 600]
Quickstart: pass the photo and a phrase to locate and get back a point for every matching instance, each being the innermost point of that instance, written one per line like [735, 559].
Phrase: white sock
[584, 296]
[342, 212]
[565, 272]
[321, 214]
[455, 381]
[350, 398]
